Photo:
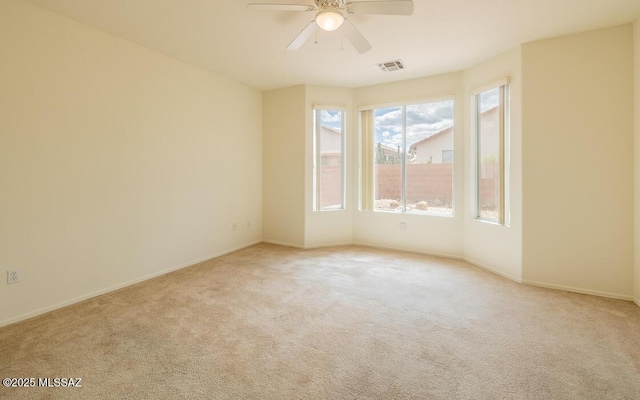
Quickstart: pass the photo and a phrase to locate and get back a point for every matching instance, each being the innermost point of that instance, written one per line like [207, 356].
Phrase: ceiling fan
[330, 15]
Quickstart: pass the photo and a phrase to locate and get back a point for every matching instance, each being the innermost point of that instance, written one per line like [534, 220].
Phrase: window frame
[317, 157]
[367, 163]
[503, 150]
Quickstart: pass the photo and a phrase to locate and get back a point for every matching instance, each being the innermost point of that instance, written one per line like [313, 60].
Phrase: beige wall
[429, 234]
[577, 162]
[117, 163]
[636, 68]
[284, 130]
[496, 247]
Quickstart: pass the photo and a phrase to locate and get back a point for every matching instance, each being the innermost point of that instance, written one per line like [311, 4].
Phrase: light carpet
[271, 322]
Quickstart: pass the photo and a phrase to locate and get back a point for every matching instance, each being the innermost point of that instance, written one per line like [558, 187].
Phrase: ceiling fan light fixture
[329, 20]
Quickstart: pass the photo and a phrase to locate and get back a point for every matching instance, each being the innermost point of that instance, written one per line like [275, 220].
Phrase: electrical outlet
[402, 226]
[13, 276]
[234, 226]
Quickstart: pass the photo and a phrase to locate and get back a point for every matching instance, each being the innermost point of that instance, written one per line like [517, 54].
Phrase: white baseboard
[324, 245]
[554, 286]
[374, 246]
[87, 296]
[406, 250]
[581, 291]
[493, 270]
[297, 246]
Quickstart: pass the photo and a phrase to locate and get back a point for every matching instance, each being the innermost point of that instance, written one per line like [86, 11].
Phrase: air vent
[390, 66]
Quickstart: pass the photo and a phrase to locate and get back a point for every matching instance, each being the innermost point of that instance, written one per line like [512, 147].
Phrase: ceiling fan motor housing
[331, 15]
[335, 4]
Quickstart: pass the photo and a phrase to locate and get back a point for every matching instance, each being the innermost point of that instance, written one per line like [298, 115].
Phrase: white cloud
[423, 120]
[331, 118]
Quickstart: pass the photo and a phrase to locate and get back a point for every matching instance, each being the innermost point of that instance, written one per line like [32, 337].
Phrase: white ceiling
[225, 37]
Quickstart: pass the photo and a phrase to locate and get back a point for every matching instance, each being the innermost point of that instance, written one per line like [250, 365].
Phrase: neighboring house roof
[449, 129]
[492, 109]
[439, 133]
[330, 129]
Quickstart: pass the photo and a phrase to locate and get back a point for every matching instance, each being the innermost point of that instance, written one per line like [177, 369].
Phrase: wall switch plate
[13, 276]
[234, 226]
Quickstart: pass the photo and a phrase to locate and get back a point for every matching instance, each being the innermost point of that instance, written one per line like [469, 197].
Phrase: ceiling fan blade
[279, 7]
[302, 36]
[355, 37]
[382, 7]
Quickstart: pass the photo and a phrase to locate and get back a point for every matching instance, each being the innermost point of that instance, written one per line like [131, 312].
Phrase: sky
[331, 118]
[423, 120]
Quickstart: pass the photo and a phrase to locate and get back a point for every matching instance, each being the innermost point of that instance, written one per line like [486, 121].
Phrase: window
[328, 151]
[447, 156]
[411, 168]
[491, 127]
